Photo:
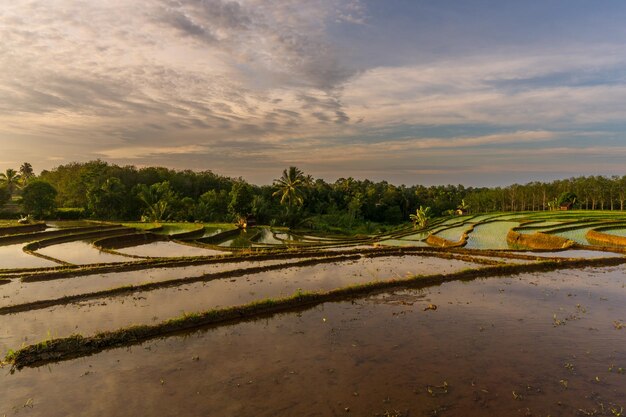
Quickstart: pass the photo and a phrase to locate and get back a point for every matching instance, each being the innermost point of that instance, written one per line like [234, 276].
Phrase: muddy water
[91, 316]
[494, 343]
[168, 250]
[12, 256]
[586, 254]
[402, 242]
[18, 292]
[81, 253]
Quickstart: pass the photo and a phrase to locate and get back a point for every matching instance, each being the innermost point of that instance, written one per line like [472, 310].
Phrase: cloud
[137, 152]
[478, 90]
[248, 84]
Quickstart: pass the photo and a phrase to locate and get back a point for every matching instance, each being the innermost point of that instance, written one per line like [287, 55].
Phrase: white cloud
[174, 79]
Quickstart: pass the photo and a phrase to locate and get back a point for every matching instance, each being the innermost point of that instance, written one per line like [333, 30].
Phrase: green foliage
[10, 179]
[107, 200]
[290, 187]
[70, 213]
[113, 192]
[157, 199]
[5, 195]
[421, 217]
[567, 197]
[26, 172]
[38, 199]
[212, 206]
[241, 198]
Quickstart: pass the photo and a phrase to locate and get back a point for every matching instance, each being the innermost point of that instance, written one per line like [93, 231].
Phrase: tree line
[110, 192]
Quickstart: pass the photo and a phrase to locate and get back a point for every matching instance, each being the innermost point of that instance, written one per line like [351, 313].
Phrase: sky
[473, 92]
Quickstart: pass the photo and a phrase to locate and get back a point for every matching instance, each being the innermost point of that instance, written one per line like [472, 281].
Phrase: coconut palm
[157, 199]
[421, 217]
[26, 171]
[10, 179]
[290, 186]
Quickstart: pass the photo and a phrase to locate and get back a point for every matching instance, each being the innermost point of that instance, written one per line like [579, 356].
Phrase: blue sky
[432, 92]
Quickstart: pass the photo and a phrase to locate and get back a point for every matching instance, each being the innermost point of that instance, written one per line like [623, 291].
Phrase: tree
[212, 206]
[421, 217]
[107, 201]
[38, 199]
[566, 198]
[290, 187]
[621, 191]
[157, 199]
[241, 198]
[5, 196]
[10, 179]
[463, 207]
[26, 172]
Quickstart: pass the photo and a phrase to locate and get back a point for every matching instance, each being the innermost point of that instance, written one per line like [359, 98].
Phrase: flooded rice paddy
[147, 307]
[80, 253]
[13, 256]
[490, 235]
[416, 331]
[498, 346]
[453, 234]
[168, 250]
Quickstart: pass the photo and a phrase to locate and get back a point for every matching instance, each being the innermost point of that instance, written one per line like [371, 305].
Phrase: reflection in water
[81, 253]
[616, 232]
[453, 234]
[18, 292]
[162, 304]
[498, 345]
[490, 235]
[12, 256]
[402, 242]
[573, 253]
[168, 250]
[577, 235]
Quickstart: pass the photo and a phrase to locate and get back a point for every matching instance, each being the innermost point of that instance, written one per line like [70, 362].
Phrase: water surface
[536, 344]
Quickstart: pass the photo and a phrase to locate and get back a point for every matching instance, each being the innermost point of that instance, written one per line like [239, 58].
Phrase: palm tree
[11, 179]
[157, 199]
[421, 217]
[290, 186]
[26, 171]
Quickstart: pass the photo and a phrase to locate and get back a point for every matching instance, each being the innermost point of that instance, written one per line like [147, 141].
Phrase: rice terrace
[512, 312]
[313, 208]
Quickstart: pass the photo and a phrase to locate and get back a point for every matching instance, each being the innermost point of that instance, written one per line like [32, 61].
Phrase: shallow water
[212, 231]
[345, 247]
[18, 292]
[267, 237]
[402, 242]
[616, 232]
[454, 234]
[577, 235]
[65, 224]
[415, 236]
[12, 256]
[490, 235]
[81, 253]
[153, 306]
[586, 254]
[168, 250]
[494, 343]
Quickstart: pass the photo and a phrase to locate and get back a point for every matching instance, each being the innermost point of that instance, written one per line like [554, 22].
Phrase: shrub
[38, 198]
